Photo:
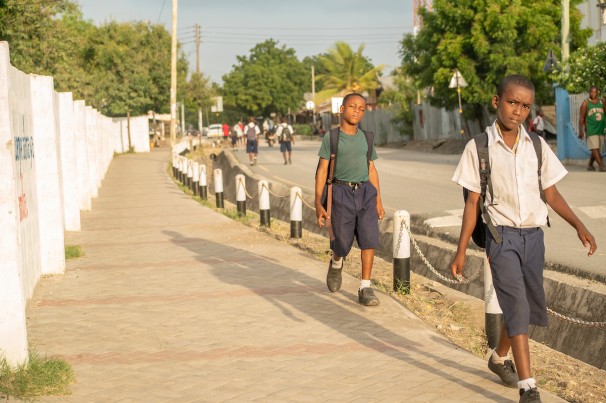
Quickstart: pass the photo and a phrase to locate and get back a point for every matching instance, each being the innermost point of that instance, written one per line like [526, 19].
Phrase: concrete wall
[585, 343]
[139, 134]
[53, 157]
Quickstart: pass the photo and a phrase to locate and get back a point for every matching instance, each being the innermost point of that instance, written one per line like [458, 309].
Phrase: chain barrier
[241, 183]
[300, 196]
[470, 279]
[275, 195]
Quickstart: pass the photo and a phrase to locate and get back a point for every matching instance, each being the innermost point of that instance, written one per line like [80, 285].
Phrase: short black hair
[516, 79]
[592, 87]
[353, 94]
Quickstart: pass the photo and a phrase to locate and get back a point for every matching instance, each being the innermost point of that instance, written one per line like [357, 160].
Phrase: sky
[230, 28]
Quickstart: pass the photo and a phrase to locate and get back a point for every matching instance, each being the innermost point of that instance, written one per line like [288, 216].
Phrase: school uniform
[518, 213]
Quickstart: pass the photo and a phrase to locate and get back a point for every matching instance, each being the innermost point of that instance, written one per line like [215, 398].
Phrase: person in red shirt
[225, 128]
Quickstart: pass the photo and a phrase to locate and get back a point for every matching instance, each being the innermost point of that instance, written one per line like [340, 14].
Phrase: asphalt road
[421, 183]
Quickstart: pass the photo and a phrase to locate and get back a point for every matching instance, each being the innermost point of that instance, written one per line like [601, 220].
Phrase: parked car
[215, 131]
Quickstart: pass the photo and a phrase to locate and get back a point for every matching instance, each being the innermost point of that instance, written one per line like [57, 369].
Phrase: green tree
[346, 70]
[586, 67]
[485, 40]
[270, 79]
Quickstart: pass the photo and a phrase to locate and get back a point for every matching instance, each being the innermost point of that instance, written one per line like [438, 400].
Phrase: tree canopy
[586, 67]
[270, 79]
[485, 40]
[346, 70]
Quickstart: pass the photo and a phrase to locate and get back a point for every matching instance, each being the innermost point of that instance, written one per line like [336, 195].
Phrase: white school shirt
[516, 201]
[539, 124]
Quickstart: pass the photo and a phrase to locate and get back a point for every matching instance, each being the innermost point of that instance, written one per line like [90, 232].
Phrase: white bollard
[296, 212]
[218, 179]
[181, 169]
[175, 164]
[190, 173]
[401, 252]
[195, 177]
[493, 315]
[264, 212]
[241, 194]
[203, 183]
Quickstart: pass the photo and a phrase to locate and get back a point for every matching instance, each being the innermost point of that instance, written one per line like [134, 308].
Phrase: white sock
[337, 264]
[364, 284]
[527, 384]
[497, 359]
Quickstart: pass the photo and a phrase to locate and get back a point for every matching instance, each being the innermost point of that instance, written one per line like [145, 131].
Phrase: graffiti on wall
[24, 151]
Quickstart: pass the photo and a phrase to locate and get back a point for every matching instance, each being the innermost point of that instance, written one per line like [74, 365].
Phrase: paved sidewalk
[174, 302]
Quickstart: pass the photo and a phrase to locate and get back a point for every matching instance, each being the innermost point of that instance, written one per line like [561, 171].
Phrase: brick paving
[174, 302]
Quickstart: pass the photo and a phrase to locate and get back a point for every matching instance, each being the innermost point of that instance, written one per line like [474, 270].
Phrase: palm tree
[347, 71]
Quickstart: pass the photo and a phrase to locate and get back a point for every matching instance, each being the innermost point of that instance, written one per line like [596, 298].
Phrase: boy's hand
[588, 240]
[456, 266]
[380, 210]
[321, 215]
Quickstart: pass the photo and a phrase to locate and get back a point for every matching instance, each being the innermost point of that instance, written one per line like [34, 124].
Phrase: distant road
[421, 183]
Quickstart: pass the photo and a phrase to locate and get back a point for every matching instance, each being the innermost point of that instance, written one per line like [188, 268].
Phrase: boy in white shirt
[517, 212]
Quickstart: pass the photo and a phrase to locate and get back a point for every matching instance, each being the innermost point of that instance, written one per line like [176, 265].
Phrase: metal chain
[305, 201]
[576, 321]
[430, 267]
[241, 183]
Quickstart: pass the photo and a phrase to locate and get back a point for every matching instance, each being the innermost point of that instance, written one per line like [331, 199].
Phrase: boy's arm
[559, 205]
[321, 177]
[373, 177]
[582, 119]
[470, 214]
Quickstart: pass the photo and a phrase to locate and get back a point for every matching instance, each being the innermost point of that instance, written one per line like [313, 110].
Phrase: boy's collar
[495, 137]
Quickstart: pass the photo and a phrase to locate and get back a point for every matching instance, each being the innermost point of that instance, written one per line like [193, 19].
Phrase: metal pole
[173, 78]
[493, 316]
[296, 212]
[401, 252]
[565, 30]
[313, 94]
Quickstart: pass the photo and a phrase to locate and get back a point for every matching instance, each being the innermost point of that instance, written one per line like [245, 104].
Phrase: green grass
[73, 252]
[38, 377]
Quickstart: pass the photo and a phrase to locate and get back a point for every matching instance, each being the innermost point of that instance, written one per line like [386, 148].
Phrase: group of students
[348, 202]
[250, 133]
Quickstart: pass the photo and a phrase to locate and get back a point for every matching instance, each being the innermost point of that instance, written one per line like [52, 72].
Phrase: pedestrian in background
[285, 134]
[539, 123]
[518, 257]
[591, 123]
[252, 131]
[356, 199]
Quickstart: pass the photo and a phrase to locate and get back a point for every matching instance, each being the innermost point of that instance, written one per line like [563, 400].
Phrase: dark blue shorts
[251, 146]
[285, 146]
[517, 273]
[354, 214]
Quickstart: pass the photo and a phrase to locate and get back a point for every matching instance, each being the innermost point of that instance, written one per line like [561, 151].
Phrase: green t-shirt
[595, 118]
[351, 156]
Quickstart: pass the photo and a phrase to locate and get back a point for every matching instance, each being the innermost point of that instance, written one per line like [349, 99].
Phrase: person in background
[591, 124]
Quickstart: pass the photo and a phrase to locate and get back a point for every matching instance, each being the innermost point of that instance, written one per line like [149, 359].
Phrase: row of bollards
[193, 175]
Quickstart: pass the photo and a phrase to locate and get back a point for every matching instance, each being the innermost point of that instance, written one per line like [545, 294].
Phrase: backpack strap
[536, 142]
[334, 145]
[370, 141]
[481, 141]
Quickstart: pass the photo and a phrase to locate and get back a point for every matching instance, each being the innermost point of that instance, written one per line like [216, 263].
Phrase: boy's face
[353, 111]
[593, 93]
[513, 106]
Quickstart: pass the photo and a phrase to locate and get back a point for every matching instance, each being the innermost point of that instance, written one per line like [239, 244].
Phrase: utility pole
[565, 31]
[173, 79]
[313, 93]
[200, 123]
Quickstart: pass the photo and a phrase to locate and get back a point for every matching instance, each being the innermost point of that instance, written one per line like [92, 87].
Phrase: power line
[161, 11]
[307, 29]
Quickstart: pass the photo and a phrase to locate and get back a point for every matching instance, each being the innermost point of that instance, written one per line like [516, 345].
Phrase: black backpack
[479, 232]
[334, 145]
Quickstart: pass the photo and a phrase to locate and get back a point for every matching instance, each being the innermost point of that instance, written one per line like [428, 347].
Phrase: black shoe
[333, 277]
[507, 372]
[285, 163]
[367, 297]
[530, 396]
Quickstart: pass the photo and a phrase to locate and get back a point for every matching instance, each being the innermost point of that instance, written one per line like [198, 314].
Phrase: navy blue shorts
[251, 146]
[354, 214]
[517, 274]
[285, 146]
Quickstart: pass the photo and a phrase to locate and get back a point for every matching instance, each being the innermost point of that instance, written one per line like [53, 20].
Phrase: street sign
[457, 80]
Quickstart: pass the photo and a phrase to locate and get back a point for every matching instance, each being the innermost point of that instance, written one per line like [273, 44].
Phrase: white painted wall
[13, 332]
[81, 155]
[50, 209]
[91, 150]
[66, 145]
[139, 134]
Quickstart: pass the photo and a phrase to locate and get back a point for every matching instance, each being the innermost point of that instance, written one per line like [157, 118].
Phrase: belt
[353, 185]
